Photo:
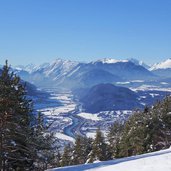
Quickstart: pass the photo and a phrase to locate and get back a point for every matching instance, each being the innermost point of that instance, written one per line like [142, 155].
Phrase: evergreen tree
[21, 133]
[15, 118]
[148, 130]
[81, 150]
[158, 126]
[100, 150]
[132, 140]
[114, 137]
[67, 156]
[45, 145]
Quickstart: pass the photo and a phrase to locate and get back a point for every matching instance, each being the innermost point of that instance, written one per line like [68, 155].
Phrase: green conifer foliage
[114, 138]
[67, 156]
[81, 150]
[100, 150]
[15, 121]
[22, 135]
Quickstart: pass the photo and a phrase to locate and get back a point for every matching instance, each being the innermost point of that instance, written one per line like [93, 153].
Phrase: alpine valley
[78, 97]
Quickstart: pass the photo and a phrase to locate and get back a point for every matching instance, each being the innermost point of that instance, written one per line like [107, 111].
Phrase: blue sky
[37, 31]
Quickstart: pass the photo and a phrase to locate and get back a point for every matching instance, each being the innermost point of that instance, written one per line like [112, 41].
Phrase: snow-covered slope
[113, 61]
[156, 161]
[46, 74]
[162, 69]
[163, 65]
[59, 68]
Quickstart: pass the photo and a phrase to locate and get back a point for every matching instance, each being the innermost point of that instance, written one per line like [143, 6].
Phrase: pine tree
[148, 130]
[67, 156]
[20, 130]
[81, 150]
[15, 118]
[114, 137]
[158, 126]
[134, 134]
[45, 145]
[100, 150]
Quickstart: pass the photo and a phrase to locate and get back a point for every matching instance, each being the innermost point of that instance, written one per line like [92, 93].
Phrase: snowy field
[90, 116]
[59, 115]
[156, 161]
[64, 137]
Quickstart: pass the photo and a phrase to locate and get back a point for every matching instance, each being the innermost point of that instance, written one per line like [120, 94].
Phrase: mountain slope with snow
[106, 71]
[156, 161]
[163, 65]
[162, 69]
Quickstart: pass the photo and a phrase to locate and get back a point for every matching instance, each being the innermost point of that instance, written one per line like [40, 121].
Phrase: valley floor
[156, 161]
[69, 120]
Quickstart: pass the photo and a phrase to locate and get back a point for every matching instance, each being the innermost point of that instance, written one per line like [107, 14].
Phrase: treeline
[144, 131]
[25, 143]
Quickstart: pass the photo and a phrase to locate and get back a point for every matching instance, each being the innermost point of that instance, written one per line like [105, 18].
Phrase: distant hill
[106, 97]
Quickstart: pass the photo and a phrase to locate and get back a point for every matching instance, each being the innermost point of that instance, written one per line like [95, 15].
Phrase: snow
[143, 104]
[163, 83]
[64, 137]
[60, 97]
[163, 65]
[70, 74]
[110, 61]
[59, 116]
[91, 134]
[90, 116]
[59, 68]
[30, 68]
[127, 82]
[154, 94]
[156, 161]
[146, 87]
[59, 110]
[137, 81]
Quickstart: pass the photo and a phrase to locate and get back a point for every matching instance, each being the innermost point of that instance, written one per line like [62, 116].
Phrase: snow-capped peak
[60, 61]
[29, 68]
[109, 61]
[60, 67]
[163, 65]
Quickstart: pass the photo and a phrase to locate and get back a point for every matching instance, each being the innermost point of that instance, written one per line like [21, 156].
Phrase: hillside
[104, 97]
[156, 161]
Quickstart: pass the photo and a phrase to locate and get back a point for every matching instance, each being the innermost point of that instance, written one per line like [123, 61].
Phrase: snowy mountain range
[69, 74]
